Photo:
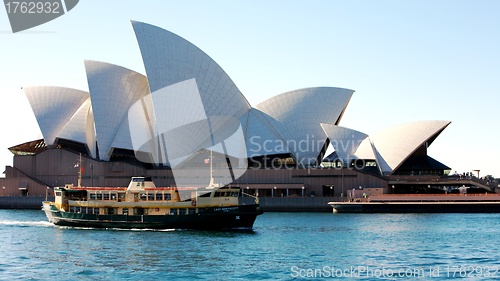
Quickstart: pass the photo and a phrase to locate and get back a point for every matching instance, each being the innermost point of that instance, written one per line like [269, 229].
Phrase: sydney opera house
[185, 122]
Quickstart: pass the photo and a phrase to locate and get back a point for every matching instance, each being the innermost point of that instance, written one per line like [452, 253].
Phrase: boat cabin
[142, 197]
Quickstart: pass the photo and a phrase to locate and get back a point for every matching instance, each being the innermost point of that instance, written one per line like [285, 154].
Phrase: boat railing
[435, 195]
[252, 196]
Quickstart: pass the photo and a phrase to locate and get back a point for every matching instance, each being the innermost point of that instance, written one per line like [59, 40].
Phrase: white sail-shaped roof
[195, 102]
[54, 107]
[113, 89]
[170, 59]
[394, 145]
[297, 116]
[366, 150]
[187, 103]
[345, 141]
[181, 122]
[261, 138]
[81, 127]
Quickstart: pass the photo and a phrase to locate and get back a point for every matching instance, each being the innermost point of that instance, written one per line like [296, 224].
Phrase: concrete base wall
[22, 202]
[305, 204]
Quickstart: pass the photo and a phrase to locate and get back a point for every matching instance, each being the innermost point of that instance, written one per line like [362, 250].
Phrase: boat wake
[144, 229]
[150, 229]
[26, 223]
[117, 229]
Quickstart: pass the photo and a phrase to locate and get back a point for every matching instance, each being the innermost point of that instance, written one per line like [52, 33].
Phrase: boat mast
[80, 171]
[211, 184]
[211, 171]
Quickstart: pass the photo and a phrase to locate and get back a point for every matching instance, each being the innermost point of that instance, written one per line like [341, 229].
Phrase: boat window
[139, 181]
[168, 197]
[125, 211]
[192, 211]
[159, 197]
[92, 196]
[121, 195]
[205, 194]
[96, 211]
[106, 196]
[113, 196]
[99, 196]
[58, 193]
[143, 197]
[151, 197]
[173, 211]
[71, 209]
[182, 211]
[83, 210]
[221, 194]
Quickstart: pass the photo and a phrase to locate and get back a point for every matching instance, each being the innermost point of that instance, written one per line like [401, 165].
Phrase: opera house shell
[166, 122]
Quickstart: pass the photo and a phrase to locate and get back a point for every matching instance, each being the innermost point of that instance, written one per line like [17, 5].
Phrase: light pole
[342, 179]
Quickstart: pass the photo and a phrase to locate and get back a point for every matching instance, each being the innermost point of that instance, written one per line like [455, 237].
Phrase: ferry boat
[142, 205]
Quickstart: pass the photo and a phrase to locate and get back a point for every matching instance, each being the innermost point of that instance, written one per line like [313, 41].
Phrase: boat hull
[416, 207]
[213, 218]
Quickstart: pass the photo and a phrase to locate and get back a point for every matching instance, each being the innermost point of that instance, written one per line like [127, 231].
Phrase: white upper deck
[140, 183]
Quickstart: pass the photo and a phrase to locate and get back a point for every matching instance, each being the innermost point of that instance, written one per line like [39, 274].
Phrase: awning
[273, 186]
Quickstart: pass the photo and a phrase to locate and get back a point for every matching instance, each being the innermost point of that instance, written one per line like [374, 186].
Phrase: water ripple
[281, 247]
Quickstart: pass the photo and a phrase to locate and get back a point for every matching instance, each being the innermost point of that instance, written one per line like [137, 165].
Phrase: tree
[489, 178]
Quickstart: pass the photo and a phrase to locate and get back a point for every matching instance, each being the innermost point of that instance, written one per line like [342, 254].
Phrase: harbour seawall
[301, 204]
[22, 202]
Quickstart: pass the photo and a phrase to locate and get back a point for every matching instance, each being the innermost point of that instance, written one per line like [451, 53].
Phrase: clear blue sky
[406, 60]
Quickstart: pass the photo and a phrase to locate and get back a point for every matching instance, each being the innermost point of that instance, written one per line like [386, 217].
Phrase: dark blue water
[283, 246]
